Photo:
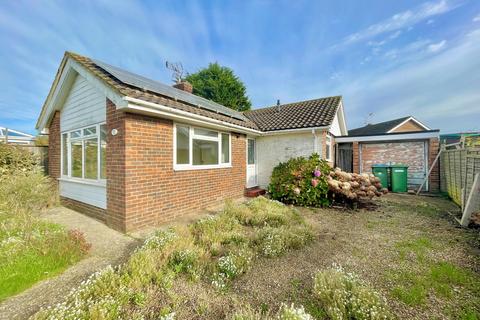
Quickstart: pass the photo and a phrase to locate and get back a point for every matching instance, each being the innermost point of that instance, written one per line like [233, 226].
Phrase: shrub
[301, 181]
[343, 296]
[16, 160]
[274, 242]
[285, 313]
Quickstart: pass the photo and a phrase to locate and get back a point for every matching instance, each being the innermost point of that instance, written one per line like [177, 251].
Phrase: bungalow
[133, 152]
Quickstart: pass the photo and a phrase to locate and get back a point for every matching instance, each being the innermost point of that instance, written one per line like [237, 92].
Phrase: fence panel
[458, 168]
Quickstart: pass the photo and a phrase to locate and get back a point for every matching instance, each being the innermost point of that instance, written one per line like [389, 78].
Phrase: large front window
[83, 153]
[200, 148]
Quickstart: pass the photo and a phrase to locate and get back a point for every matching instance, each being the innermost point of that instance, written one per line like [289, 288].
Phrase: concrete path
[108, 247]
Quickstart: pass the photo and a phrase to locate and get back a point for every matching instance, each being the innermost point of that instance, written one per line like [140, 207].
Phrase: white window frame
[328, 146]
[68, 176]
[191, 136]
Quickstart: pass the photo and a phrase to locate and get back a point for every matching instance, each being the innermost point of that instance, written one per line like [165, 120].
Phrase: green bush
[301, 181]
[343, 296]
[15, 160]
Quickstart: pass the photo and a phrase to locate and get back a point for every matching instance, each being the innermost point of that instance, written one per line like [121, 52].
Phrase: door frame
[255, 165]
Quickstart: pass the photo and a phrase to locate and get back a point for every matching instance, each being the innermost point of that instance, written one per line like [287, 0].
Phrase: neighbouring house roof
[297, 115]
[386, 127]
[124, 88]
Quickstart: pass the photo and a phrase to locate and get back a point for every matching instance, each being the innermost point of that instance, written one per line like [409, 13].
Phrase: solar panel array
[163, 89]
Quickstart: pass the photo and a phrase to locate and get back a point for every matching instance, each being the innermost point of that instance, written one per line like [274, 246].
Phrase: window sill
[97, 183]
[206, 167]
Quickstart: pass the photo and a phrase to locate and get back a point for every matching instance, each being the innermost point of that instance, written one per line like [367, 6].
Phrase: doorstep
[254, 192]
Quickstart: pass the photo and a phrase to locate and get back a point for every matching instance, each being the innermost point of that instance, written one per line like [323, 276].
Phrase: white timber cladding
[91, 194]
[84, 105]
[273, 149]
[335, 127]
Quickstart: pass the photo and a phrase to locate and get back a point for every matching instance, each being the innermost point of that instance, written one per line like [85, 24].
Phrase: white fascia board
[69, 69]
[405, 121]
[390, 137]
[154, 109]
[299, 130]
[343, 118]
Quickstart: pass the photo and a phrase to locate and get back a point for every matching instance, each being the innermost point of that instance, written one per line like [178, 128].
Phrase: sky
[387, 58]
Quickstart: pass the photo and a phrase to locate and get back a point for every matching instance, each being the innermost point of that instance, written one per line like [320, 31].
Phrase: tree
[221, 85]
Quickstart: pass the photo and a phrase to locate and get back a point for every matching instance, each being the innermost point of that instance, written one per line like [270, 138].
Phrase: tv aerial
[177, 70]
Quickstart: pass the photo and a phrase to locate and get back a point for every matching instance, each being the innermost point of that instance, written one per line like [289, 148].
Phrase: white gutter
[389, 137]
[269, 133]
[145, 107]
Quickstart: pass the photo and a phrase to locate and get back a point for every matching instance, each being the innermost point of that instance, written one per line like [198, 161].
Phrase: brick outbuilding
[401, 141]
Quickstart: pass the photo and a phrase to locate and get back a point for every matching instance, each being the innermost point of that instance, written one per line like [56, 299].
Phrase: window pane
[327, 154]
[103, 151]
[89, 131]
[91, 159]
[76, 134]
[183, 156]
[251, 151]
[76, 163]
[225, 148]
[205, 152]
[65, 154]
[205, 132]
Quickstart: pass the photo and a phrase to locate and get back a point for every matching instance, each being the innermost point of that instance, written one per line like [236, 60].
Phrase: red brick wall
[115, 160]
[54, 147]
[411, 153]
[92, 211]
[142, 187]
[356, 158]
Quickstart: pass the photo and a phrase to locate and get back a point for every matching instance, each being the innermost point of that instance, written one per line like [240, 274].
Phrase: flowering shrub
[285, 313]
[301, 181]
[293, 313]
[274, 242]
[312, 182]
[344, 296]
[353, 186]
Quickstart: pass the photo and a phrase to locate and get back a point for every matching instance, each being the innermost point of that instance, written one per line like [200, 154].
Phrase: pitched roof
[297, 115]
[135, 86]
[377, 128]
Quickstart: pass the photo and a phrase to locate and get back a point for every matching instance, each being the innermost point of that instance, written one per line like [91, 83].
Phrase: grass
[418, 277]
[213, 252]
[31, 249]
[257, 261]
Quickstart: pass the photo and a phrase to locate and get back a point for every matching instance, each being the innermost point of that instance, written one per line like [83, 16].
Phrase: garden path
[109, 247]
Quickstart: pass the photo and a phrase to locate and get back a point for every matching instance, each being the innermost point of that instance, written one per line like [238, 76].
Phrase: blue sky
[387, 58]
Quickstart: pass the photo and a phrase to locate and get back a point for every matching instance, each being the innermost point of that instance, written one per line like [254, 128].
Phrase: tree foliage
[221, 85]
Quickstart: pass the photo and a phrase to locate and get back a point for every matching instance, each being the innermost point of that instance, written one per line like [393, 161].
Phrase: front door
[251, 163]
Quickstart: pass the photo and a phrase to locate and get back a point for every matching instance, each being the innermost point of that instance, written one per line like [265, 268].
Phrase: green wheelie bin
[381, 171]
[399, 177]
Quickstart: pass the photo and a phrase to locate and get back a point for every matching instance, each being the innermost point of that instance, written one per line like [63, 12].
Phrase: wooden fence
[457, 172]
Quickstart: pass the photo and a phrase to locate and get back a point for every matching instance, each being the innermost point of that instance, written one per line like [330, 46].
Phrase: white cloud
[405, 19]
[441, 90]
[435, 47]
[430, 21]
[476, 19]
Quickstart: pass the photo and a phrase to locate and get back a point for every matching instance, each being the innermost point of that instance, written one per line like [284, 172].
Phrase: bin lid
[399, 165]
[380, 166]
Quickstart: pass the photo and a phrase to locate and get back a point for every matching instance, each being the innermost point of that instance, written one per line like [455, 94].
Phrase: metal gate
[344, 158]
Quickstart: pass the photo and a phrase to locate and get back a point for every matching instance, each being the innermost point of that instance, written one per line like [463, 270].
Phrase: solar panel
[163, 89]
